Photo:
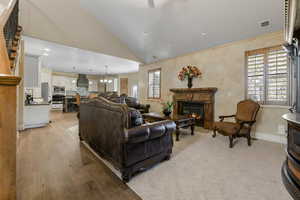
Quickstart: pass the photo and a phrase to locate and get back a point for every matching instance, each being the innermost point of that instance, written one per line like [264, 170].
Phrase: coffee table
[181, 121]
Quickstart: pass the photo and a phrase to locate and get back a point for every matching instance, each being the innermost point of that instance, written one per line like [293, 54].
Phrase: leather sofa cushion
[136, 118]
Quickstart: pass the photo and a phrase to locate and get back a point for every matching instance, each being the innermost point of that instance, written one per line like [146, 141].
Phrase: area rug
[205, 168]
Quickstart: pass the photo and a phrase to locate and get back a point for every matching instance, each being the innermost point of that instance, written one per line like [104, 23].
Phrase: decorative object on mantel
[167, 108]
[189, 72]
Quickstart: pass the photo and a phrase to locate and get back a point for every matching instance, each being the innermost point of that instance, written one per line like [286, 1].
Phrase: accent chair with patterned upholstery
[245, 117]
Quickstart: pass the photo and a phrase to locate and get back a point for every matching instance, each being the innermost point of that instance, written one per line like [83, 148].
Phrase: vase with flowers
[189, 72]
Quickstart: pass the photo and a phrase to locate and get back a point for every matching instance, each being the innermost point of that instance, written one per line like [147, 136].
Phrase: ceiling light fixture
[45, 54]
[46, 49]
[105, 80]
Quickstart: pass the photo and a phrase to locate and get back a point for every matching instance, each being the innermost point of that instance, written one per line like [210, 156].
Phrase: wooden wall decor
[202, 95]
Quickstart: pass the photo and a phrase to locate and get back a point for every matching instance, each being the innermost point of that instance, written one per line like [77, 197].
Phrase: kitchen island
[36, 115]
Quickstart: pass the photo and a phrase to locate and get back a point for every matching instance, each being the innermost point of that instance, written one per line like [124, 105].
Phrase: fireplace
[192, 108]
[198, 102]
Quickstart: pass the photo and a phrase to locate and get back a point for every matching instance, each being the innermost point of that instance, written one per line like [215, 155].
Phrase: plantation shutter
[154, 84]
[277, 77]
[268, 76]
[256, 83]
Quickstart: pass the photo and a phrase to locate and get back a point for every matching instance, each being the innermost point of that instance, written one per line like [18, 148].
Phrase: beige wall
[223, 67]
[133, 79]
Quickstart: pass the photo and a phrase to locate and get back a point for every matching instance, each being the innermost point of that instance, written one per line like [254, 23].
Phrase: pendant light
[105, 80]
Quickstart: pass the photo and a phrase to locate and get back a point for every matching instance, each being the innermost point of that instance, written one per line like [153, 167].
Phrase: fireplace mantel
[203, 95]
[194, 90]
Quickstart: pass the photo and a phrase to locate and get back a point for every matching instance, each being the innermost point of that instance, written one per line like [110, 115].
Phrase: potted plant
[189, 72]
[167, 108]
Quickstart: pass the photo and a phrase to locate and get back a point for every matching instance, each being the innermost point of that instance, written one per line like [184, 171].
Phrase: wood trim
[262, 50]
[149, 71]
[5, 62]
[9, 80]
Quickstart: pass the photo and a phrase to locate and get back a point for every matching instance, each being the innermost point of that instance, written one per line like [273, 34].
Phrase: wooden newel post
[8, 133]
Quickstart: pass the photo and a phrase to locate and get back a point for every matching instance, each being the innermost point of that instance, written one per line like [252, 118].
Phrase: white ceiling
[176, 27]
[62, 58]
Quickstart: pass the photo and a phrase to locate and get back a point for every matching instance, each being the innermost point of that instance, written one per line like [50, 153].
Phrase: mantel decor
[189, 72]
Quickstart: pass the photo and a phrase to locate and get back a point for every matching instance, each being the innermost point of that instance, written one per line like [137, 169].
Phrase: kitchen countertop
[38, 104]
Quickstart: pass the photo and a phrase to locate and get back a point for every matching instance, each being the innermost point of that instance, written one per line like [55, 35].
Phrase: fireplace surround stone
[205, 96]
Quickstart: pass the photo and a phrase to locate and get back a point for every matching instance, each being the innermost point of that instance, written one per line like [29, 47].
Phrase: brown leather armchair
[117, 134]
[244, 119]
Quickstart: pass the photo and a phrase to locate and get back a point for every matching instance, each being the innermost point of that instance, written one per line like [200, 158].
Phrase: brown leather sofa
[117, 134]
[134, 103]
[130, 101]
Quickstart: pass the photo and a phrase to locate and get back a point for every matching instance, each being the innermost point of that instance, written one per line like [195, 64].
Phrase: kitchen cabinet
[32, 66]
[36, 115]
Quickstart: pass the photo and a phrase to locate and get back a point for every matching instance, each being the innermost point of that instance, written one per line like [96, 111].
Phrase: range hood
[82, 81]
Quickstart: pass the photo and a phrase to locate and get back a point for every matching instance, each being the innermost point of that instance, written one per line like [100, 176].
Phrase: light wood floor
[52, 164]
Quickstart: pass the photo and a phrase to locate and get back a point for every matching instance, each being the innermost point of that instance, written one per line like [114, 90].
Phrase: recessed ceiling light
[46, 49]
[203, 34]
[45, 54]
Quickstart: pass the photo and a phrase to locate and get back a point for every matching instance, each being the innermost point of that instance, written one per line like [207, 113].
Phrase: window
[268, 76]
[154, 84]
[115, 89]
[134, 91]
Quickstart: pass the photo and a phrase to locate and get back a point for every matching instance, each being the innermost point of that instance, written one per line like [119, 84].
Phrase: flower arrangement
[189, 72]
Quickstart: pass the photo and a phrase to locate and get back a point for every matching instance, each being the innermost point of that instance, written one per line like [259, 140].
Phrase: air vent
[265, 23]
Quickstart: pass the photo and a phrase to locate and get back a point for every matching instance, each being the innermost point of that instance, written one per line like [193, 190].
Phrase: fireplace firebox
[195, 109]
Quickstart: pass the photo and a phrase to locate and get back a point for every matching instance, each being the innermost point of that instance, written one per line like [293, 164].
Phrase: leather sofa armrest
[149, 131]
[137, 134]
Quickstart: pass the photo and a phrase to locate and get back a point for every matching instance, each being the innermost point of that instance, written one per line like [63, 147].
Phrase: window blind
[268, 76]
[154, 84]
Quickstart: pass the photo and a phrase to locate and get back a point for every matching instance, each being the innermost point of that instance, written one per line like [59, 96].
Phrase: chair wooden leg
[249, 139]
[215, 133]
[230, 141]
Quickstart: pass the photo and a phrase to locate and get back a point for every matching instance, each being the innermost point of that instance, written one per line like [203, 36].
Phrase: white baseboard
[271, 137]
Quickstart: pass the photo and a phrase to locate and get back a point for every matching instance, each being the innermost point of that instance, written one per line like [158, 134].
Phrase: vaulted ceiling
[67, 22]
[148, 30]
[159, 29]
